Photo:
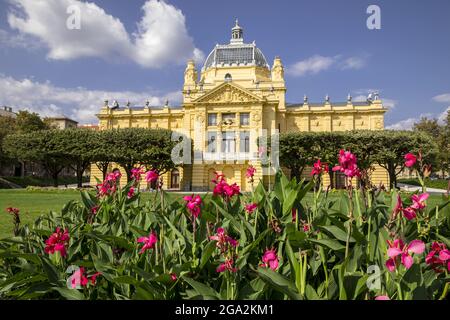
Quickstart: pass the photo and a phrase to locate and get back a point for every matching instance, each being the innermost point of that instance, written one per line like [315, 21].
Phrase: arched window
[228, 77]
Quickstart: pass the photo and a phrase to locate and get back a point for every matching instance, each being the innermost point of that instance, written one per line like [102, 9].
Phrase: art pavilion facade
[236, 97]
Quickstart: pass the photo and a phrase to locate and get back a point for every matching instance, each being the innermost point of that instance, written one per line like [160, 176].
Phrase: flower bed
[365, 244]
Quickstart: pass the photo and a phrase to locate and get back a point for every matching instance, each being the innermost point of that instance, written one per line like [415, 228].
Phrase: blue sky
[137, 50]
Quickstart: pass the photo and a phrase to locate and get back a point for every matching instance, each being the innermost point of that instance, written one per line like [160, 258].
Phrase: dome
[236, 53]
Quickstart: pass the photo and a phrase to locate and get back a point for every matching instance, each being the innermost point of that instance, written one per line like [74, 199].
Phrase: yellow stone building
[236, 97]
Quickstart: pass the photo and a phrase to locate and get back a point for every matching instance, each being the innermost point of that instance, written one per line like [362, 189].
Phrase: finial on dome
[237, 34]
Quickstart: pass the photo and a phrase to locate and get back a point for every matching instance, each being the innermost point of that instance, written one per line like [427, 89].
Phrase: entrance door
[175, 179]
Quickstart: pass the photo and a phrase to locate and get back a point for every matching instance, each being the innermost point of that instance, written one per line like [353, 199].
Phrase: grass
[438, 183]
[41, 181]
[33, 203]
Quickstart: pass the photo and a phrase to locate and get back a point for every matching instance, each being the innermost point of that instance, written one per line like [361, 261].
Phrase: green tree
[29, 121]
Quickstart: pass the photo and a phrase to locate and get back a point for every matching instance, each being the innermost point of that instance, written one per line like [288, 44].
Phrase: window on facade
[212, 142]
[212, 119]
[228, 142]
[228, 118]
[245, 119]
[244, 143]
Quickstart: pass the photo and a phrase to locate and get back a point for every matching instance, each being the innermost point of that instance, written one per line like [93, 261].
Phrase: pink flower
[223, 240]
[250, 172]
[270, 259]
[173, 276]
[250, 207]
[13, 211]
[318, 168]
[94, 209]
[398, 207]
[130, 193]
[151, 176]
[79, 279]
[347, 164]
[397, 248]
[149, 242]
[438, 257]
[382, 298]
[419, 201]
[136, 173]
[410, 160]
[294, 214]
[227, 265]
[193, 204]
[409, 213]
[93, 278]
[57, 242]
[223, 189]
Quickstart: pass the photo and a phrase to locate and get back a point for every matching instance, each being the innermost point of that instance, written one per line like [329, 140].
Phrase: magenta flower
[270, 259]
[136, 173]
[398, 207]
[227, 265]
[149, 242]
[173, 276]
[250, 172]
[438, 257]
[151, 176]
[409, 213]
[130, 193]
[223, 189]
[57, 242]
[410, 160]
[419, 201]
[382, 298]
[397, 248]
[193, 205]
[319, 168]
[250, 207]
[93, 278]
[79, 279]
[347, 164]
[223, 240]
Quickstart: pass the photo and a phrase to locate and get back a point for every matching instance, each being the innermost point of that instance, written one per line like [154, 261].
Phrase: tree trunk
[55, 178]
[392, 177]
[80, 170]
[295, 173]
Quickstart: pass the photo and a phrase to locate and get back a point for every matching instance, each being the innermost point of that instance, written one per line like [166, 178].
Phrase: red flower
[149, 242]
[318, 168]
[270, 259]
[250, 207]
[419, 201]
[93, 278]
[227, 265]
[223, 240]
[410, 160]
[136, 173]
[79, 279]
[438, 257]
[193, 204]
[347, 164]
[173, 276]
[223, 189]
[130, 193]
[397, 248]
[151, 176]
[250, 172]
[57, 242]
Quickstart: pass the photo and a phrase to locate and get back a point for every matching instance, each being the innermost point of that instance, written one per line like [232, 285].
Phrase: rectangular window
[228, 142]
[228, 118]
[245, 119]
[212, 119]
[244, 141]
[212, 141]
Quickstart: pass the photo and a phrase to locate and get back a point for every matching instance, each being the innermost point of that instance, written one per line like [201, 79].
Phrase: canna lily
[398, 207]
[136, 173]
[151, 176]
[397, 248]
[438, 257]
[250, 172]
[319, 168]
[410, 160]
[347, 164]
[382, 298]
[223, 240]
[409, 213]
[149, 242]
[193, 204]
[130, 193]
[419, 201]
[79, 279]
[227, 265]
[57, 242]
[270, 259]
[250, 207]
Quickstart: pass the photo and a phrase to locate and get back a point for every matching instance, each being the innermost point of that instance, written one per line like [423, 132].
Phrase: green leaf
[202, 290]
[279, 282]
[332, 244]
[338, 233]
[70, 294]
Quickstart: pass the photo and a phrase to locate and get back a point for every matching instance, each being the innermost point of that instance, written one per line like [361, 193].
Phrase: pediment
[229, 93]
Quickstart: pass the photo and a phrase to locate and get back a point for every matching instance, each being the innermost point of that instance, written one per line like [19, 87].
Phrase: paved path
[411, 188]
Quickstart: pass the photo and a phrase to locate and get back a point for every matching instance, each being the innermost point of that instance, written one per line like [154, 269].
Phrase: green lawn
[33, 203]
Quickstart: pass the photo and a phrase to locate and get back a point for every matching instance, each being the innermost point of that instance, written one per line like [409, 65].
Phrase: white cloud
[80, 104]
[353, 63]
[312, 65]
[161, 36]
[409, 123]
[445, 98]
[318, 63]
[362, 94]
